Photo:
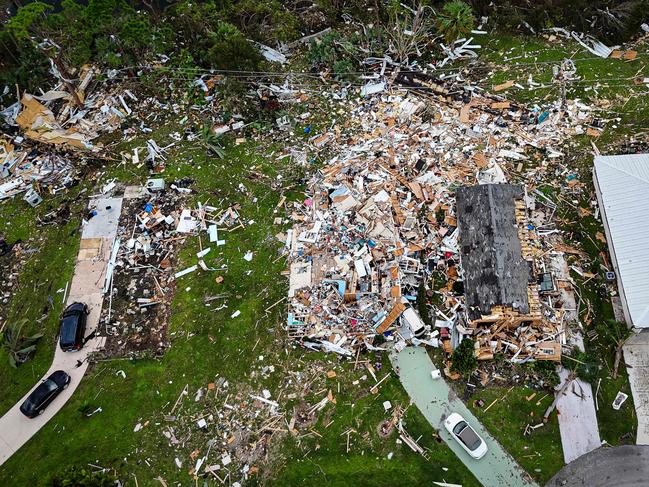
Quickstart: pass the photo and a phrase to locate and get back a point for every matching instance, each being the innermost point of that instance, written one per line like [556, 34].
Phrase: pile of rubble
[23, 170]
[66, 117]
[143, 269]
[380, 218]
[70, 115]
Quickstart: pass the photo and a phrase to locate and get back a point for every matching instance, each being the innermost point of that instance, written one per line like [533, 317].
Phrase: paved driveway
[636, 357]
[86, 286]
[436, 401]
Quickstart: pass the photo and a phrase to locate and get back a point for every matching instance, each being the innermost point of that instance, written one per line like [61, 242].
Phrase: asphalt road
[86, 287]
[622, 466]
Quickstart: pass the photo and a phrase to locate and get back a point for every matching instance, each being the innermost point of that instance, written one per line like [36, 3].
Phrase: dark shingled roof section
[495, 272]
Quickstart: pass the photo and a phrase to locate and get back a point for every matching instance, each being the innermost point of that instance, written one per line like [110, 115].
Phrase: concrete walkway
[86, 287]
[636, 357]
[436, 401]
[577, 419]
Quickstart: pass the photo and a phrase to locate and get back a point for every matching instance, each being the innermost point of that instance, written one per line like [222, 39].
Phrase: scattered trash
[381, 217]
[619, 400]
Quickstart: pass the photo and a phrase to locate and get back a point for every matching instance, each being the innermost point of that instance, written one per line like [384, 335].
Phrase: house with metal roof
[622, 187]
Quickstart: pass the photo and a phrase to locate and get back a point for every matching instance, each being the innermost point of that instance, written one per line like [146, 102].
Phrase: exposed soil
[136, 321]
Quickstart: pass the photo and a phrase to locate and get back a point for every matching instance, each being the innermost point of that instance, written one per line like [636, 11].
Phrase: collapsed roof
[495, 272]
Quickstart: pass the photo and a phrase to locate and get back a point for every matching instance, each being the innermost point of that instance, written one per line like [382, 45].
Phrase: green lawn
[539, 453]
[328, 462]
[206, 344]
[50, 252]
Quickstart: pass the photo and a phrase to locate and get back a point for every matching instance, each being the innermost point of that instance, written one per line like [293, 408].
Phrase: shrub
[80, 477]
[18, 346]
[547, 370]
[265, 20]
[583, 364]
[231, 50]
[463, 360]
[455, 20]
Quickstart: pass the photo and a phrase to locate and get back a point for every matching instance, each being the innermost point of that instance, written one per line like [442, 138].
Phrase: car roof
[58, 375]
[42, 391]
[69, 329]
[469, 437]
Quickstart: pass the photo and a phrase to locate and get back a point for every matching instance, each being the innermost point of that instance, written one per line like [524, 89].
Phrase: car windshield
[68, 329]
[48, 386]
[466, 434]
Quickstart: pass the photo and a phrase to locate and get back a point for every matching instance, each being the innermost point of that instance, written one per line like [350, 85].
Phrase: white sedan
[465, 436]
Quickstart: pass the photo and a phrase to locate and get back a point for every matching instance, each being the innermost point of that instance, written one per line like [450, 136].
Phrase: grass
[38, 298]
[204, 343]
[207, 344]
[540, 452]
[329, 462]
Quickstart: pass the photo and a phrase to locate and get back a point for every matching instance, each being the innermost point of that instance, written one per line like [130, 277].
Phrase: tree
[16, 345]
[455, 20]
[463, 360]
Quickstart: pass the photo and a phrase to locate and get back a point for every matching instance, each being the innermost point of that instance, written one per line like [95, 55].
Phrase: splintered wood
[380, 217]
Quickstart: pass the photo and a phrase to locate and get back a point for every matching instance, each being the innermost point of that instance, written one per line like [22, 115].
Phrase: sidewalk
[436, 401]
[86, 286]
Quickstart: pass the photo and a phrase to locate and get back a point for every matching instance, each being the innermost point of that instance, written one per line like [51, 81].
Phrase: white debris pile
[22, 170]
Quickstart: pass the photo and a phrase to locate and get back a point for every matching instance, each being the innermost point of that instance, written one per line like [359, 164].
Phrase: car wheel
[66, 386]
[41, 412]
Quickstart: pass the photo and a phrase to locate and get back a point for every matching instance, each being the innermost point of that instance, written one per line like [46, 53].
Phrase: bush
[547, 370]
[231, 50]
[583, 365]
[22, 64]
[463, 360]
[455, 20]
[264, 21]
[80, 477]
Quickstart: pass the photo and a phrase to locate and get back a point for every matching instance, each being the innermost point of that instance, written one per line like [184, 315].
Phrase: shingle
[495, 272]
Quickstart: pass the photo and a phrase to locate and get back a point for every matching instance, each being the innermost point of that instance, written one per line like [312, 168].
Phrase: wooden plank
[391, 318]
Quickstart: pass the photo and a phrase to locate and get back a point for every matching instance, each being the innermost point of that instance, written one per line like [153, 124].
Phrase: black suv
[73, 327]
[44, 394]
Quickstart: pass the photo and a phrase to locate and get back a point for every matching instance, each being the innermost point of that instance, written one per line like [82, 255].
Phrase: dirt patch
[135, 317]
